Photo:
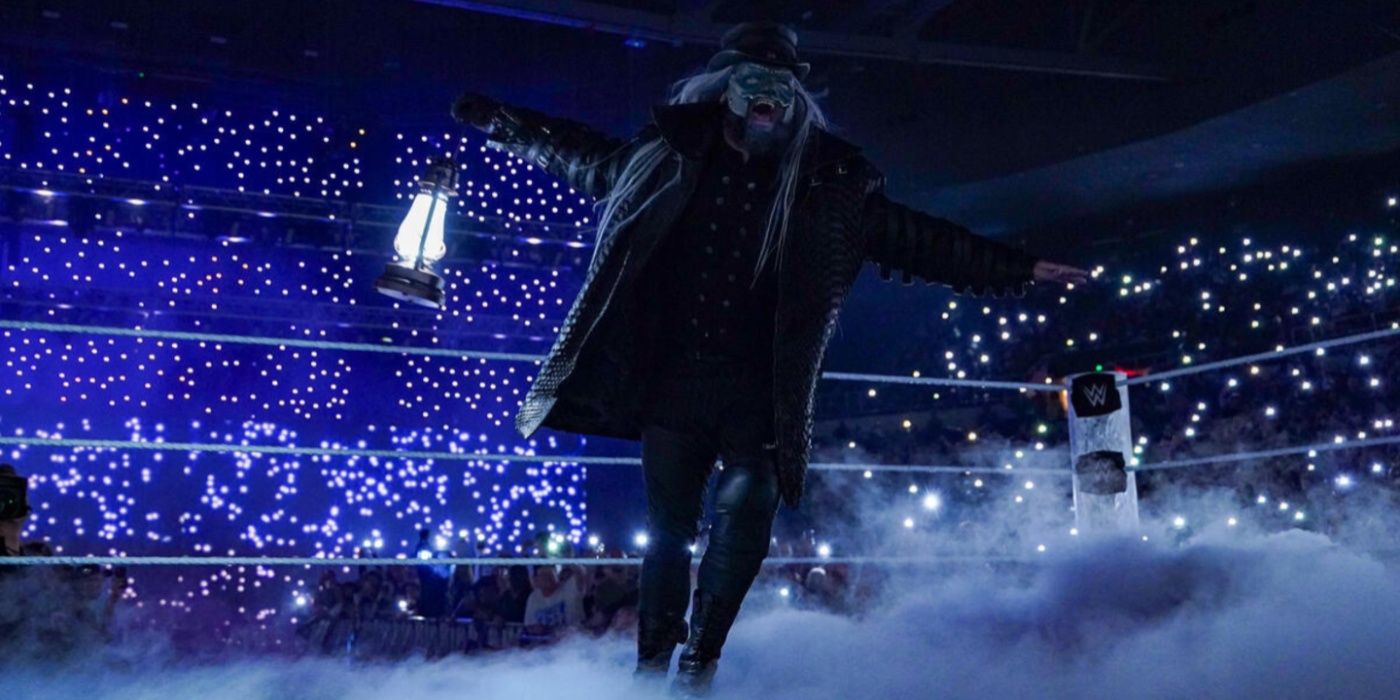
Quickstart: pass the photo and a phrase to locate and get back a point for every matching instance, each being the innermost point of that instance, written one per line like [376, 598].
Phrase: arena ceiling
[942, 93]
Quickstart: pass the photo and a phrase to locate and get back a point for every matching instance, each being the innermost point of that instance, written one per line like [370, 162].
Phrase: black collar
[689, 129]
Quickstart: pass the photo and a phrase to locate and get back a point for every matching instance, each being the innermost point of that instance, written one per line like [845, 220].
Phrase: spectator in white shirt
[555, 604]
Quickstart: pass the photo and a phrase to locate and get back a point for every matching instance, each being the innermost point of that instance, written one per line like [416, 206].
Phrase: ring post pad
[1101, 473]
[1095, 394]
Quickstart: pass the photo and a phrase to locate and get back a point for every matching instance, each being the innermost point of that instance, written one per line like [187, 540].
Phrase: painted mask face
[762, 98]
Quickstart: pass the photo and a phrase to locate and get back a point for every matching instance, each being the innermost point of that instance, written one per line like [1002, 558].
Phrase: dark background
[1080, 128]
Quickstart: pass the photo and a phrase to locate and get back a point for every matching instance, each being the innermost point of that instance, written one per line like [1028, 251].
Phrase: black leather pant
[696, 411]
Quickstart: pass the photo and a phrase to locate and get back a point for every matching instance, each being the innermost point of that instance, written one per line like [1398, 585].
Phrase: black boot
[662, 595]
[709, 626]
[657, 639]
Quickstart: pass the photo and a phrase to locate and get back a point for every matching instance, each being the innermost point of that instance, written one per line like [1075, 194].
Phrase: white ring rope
[594, 459]
[940, 381]
[524, 357]
[466, 456]
[264, 340]
[1262, 356]
[586, 459]
[1265, 454]
[312, 344]
[465, 561]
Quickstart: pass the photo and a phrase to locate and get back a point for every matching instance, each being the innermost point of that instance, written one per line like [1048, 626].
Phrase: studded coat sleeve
[587, 160]
[939, 251]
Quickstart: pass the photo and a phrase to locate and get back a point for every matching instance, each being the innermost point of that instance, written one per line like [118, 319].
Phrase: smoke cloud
[1222, 612]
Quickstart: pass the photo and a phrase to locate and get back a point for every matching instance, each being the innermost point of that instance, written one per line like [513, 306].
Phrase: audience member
[556, 603]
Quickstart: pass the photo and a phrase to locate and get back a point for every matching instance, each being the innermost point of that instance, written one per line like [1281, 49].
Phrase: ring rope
[459, 561]
[1273, 354]
[465, 456]
[1265, 454]
[264, 340]
[388, 348]
[594, 459]
[840, 376]
[941, 381]
[526, 357]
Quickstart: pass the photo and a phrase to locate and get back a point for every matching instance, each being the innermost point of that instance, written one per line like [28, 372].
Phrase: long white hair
[708, 87]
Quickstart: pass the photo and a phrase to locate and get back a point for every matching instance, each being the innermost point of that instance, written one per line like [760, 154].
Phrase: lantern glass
[420, 240]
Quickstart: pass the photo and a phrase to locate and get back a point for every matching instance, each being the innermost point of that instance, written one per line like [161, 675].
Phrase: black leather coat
[590, 382]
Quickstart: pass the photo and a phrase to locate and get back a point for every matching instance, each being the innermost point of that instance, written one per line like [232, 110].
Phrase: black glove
[475, 110]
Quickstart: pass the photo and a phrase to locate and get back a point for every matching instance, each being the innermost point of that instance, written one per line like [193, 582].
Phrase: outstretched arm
[937, 250]
[587, 160]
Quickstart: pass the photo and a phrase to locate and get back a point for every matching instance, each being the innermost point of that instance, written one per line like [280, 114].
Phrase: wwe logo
[1097, 394]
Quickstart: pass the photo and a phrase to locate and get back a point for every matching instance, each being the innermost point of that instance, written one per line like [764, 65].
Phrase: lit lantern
[420, 241]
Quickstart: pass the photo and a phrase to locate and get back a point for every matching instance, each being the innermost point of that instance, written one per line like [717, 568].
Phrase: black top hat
[769, 43]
